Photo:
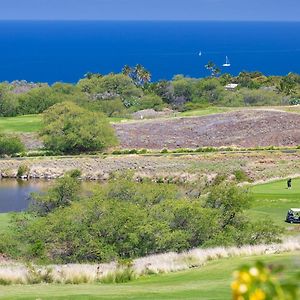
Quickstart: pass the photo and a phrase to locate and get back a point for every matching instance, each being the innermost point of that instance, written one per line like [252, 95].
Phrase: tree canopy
[69, 128]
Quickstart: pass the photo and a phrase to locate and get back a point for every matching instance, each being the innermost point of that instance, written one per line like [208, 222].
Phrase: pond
[14, 194]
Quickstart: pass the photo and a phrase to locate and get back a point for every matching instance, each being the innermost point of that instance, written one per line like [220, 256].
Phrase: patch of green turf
[273, 200]
[207, 283]
[4, 221]
[32, 123]
[29, 123]
[206, 111]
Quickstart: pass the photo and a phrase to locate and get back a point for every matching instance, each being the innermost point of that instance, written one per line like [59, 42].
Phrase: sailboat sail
[227, 63]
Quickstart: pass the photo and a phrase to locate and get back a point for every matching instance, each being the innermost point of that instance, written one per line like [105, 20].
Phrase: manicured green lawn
[272, 200]
[29, 123]
[211, 282]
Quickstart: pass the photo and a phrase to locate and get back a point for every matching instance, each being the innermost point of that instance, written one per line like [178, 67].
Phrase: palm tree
[145, 76]
[127, 70]
[213, 68]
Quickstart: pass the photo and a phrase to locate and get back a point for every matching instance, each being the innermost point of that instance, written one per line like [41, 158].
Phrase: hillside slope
[245, 128]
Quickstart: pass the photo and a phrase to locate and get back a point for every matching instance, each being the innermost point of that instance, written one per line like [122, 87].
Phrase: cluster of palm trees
[139, 74]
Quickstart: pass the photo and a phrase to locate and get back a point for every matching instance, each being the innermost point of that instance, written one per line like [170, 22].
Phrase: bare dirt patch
[245, 128]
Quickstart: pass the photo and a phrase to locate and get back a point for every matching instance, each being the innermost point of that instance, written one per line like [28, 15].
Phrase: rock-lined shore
[258, 165]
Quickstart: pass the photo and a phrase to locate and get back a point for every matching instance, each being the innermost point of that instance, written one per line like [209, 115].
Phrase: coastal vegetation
[131, 90]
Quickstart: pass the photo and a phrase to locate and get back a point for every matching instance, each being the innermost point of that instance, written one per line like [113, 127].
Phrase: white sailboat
[200, 53]
[227, 63]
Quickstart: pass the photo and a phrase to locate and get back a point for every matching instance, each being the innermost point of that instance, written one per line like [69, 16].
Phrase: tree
[139, 74]
[287, 85]
[213, 68]
[62, 194]
[231, 200]
[69, 128]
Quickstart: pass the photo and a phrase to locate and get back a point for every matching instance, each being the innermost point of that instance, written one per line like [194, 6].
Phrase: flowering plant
[261, 282]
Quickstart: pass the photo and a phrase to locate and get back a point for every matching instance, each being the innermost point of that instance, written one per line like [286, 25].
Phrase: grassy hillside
[272, 200]
[209, 282]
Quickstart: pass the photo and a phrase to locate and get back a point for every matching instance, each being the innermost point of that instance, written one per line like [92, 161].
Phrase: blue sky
[268, 10]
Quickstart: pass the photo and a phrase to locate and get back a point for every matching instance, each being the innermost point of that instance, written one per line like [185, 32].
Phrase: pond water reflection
[14, 194]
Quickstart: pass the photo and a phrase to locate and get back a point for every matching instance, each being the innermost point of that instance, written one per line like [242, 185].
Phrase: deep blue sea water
[65, 51]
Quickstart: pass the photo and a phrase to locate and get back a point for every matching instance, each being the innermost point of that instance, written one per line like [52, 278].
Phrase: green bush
[69, 128]
[10, 145]
[23, 170]
[241, 176]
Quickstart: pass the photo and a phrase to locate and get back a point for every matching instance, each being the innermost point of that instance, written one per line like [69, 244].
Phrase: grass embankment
[272, 201]
[209, 282]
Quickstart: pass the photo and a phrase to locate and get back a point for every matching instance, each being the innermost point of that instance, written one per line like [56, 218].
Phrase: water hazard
[14, 194]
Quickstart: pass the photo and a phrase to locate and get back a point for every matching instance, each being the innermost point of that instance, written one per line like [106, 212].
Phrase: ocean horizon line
[143, 20]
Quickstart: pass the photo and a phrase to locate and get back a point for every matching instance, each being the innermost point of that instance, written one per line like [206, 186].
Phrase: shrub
[69, 128]
[10, 145]
[241, 176]
[23, 170]
[164, 151]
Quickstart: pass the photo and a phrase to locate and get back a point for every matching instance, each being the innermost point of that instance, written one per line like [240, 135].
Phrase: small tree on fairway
[69, 128]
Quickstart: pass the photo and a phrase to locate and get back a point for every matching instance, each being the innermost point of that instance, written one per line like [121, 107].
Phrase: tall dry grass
[14, 273]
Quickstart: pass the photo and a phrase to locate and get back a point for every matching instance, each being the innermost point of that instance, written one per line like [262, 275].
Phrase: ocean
[44, 51]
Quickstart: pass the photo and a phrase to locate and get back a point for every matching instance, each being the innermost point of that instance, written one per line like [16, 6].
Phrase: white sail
[227, 63]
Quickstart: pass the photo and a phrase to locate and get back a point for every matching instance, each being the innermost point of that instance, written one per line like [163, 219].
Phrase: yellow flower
[234, 285]
[245, 277]
[258, 295]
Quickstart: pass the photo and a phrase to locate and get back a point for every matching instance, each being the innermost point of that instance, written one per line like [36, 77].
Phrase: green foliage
[120, 94]
[8, 104]
[241, 176]
[261, 97]
[112, 86]
[139, 74]
[23, 170]
[149, 101]
[10, 145]
[69, 128]
[125, 219]
[62, 194]
[230, 200]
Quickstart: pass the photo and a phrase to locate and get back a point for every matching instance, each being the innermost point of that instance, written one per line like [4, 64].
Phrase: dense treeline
[131, 90]
[125, 219]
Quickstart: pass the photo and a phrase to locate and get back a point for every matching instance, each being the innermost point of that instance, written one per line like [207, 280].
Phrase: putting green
[273, 200]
